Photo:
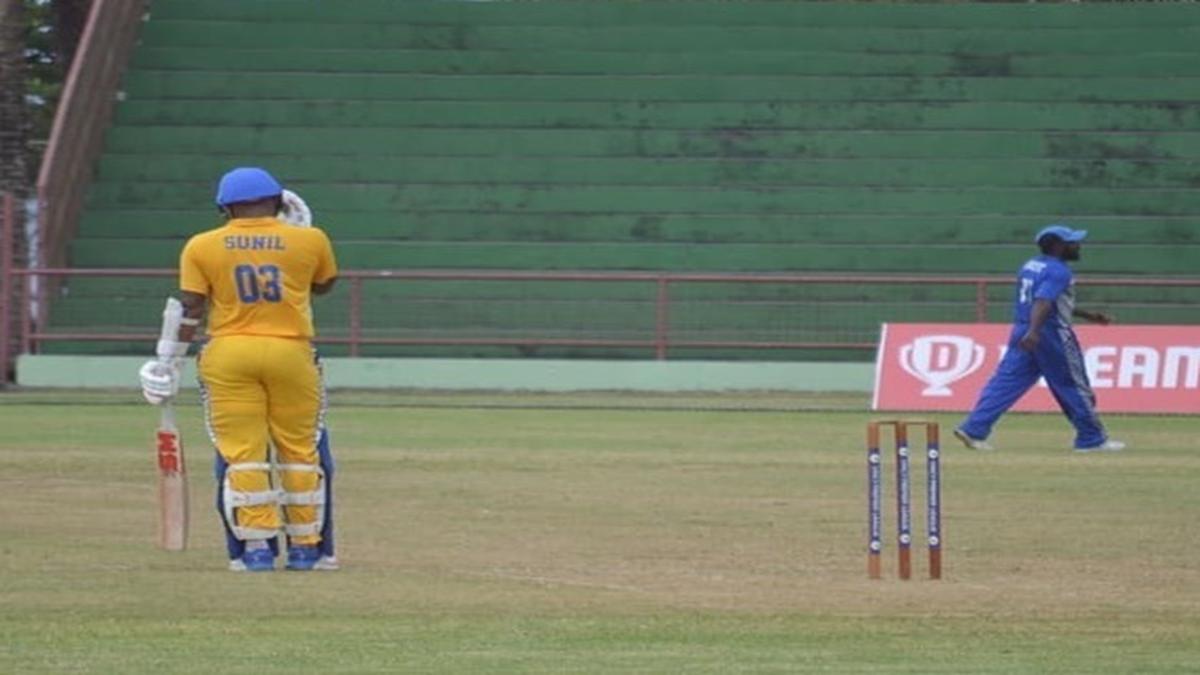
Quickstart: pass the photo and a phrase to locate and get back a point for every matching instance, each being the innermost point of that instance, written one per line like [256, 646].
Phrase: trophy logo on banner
[941, 360]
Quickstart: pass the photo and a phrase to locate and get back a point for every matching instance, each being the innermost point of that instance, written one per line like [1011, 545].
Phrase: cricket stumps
[933, 502]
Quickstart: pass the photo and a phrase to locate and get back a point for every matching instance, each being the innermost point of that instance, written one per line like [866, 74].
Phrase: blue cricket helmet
[1061, 231]
[247, 184]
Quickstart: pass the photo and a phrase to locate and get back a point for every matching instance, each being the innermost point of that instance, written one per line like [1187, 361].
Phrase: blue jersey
[1045, 278]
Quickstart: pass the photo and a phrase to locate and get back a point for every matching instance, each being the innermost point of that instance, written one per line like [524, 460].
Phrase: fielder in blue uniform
[1043, 344]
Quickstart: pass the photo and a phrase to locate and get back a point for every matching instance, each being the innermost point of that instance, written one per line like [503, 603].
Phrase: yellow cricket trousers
[259, 389]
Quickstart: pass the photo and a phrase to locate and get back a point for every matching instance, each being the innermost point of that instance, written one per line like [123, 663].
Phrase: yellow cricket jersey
[257, 274]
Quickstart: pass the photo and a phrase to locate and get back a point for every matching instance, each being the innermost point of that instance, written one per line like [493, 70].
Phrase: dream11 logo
[941, 360]
[1132, 368]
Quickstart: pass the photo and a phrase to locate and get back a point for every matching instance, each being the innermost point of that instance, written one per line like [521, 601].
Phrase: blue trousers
[1059, 359]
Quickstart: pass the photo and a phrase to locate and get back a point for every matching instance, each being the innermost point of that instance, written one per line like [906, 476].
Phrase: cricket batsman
[260, 377]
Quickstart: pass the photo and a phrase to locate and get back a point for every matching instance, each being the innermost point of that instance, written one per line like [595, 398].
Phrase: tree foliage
[53, 29]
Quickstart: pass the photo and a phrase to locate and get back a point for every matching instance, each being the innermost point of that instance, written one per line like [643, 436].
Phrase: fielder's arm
[1037, 317]
[1095, 317]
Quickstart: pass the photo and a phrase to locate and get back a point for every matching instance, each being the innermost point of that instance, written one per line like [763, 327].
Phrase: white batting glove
[160, 377]
[294, 211]
[160, 380]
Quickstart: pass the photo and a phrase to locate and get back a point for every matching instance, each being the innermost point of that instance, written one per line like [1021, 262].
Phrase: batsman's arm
[160, 376]
[294, 210]
[327, 269]
[194, 307]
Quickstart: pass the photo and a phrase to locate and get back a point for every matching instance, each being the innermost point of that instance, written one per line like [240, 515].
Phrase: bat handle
[167, 415]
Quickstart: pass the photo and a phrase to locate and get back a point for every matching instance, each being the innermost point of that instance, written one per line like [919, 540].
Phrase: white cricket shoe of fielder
[1109, 445]
[327, 563]
[972, 443]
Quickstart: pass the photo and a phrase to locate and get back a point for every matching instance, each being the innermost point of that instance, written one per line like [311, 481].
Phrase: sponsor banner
[936, 366]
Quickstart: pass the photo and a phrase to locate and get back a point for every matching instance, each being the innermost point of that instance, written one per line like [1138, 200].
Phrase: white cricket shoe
[1109, 445]
[972, 443]
[327, 563]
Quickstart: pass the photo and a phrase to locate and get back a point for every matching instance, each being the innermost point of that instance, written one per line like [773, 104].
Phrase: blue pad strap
[326, 459]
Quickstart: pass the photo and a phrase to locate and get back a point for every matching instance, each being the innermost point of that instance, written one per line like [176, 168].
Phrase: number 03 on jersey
[262, 283]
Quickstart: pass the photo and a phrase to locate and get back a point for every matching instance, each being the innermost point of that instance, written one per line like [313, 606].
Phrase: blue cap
[1062, 232]
[246, 184]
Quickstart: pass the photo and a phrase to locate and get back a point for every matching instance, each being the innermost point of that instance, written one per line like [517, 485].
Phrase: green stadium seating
[694, 136]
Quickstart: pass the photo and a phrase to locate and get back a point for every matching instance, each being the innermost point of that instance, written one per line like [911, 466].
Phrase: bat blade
[172, 485]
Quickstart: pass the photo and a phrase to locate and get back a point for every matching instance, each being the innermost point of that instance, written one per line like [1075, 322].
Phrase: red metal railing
[661, 342]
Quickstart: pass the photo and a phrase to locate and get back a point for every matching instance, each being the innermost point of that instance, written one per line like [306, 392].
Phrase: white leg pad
[235, 499]
[314, 498]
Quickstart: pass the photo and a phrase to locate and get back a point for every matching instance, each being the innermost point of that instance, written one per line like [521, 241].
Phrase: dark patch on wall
[647, 228]
[1091, 146]
[981, 65]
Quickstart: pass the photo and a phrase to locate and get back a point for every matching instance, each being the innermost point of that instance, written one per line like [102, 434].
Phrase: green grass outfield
[600, 533]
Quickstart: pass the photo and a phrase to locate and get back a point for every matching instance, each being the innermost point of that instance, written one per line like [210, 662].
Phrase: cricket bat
[172, 484]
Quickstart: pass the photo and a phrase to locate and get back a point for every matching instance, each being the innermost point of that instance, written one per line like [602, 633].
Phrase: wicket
[933, 502]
